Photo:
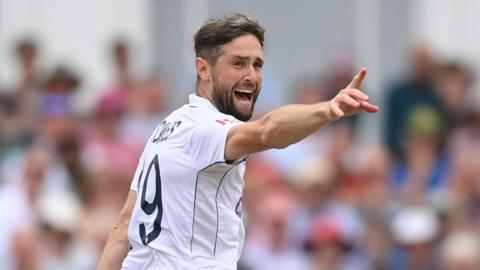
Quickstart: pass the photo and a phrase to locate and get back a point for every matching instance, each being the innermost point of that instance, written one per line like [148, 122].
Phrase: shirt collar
[201, 102]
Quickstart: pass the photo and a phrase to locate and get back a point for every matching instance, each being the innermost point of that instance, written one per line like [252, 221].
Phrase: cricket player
[184, 207]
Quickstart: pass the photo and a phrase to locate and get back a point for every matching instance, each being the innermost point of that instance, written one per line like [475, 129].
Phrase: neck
[203, 91]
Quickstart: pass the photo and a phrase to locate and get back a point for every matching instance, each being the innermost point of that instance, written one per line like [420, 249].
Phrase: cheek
[220, 84]
[235, 74]
[230, 77]
[260, 80]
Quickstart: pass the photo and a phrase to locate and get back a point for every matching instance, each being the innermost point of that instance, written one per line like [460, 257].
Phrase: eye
[239, 64]
[258, 66]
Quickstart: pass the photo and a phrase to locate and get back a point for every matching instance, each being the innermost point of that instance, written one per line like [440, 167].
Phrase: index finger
[357, 80]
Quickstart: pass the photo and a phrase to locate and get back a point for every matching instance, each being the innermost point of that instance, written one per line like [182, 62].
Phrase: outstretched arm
[292, 123]
[116, 248]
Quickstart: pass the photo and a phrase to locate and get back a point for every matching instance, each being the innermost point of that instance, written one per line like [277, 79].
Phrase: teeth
[245, 91]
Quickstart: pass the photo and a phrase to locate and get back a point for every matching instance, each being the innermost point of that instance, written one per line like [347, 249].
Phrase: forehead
[244, 46]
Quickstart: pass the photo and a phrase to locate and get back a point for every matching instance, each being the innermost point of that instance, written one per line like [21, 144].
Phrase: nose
[251, 74]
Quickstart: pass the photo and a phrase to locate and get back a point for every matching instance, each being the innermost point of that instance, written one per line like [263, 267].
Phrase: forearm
[292, 123]
[115, 250]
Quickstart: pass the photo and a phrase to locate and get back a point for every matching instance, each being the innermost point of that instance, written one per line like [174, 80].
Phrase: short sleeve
[208, 140]
[141, 165]
[138, 172]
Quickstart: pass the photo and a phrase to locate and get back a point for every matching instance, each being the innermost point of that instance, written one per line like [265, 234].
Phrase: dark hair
[216, 32]
[119, 45]
[25, 45]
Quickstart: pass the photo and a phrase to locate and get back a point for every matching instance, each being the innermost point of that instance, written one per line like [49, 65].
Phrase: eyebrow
[245, 58]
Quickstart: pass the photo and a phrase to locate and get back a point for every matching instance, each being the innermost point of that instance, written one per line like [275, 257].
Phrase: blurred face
[328, 255]
[27, 57]
[121, 57]
[237, 77]
[422, 62]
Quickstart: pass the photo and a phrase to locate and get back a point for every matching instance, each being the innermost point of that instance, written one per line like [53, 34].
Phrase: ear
[203, 69]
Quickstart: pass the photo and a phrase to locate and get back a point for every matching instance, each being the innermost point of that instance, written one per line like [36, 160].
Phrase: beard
[223, 97]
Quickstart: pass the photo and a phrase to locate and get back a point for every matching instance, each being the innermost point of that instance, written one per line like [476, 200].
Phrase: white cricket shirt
[188, 208]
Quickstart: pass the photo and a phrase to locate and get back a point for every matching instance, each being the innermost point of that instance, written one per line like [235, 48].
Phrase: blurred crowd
[409, 202]
[65, 173]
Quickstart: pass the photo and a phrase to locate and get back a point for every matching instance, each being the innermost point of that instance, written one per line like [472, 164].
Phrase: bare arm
[116, 248]
[292, 123]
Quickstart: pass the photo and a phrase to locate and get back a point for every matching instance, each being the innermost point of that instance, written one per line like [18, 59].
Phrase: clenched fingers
[355, 93]
[349, 101]
[335, 112]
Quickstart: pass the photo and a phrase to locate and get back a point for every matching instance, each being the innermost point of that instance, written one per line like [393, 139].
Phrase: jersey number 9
[149, 208]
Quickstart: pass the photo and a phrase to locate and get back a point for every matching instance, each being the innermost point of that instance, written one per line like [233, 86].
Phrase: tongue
[241, 96]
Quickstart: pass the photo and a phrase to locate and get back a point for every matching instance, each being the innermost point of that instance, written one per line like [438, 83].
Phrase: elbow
[119, 229]
[123, 222]
[280, 146]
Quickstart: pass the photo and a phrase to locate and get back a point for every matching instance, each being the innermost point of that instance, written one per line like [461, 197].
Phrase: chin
[244, 116]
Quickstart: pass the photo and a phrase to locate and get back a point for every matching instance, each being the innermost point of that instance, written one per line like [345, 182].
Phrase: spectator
[426, 168]
[405, 96]
[61, 246]
[120, 53]
[415, 230]
[18, 110]
[24, 188]
[270, 240]
[124, 82]
[27, 56]
[452, 81]
[331, 245]
[103, 147]
[148, 107]
[461, 251]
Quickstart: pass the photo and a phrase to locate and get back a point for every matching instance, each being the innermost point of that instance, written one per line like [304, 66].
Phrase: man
[183, 211]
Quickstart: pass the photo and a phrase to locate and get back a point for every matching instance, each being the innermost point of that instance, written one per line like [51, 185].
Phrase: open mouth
[243, 95]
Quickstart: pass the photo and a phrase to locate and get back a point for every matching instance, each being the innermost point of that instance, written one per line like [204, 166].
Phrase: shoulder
[213, 121]
[182, 115]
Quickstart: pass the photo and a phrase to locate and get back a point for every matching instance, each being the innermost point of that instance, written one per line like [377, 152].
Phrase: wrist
[322, 111]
